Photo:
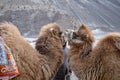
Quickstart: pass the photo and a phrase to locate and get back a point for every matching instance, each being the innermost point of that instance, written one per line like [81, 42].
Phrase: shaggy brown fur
[50, 44]
[99, 63]
[31, 64]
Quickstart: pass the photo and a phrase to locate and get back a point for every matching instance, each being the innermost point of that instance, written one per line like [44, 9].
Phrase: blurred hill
[30, 15]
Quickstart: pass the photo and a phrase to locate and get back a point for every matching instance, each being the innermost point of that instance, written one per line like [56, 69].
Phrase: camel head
[84, 34]
[56, 32]
[83, 37]
[50, 34]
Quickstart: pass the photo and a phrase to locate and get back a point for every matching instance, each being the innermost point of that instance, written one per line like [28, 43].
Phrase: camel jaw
[76, 41]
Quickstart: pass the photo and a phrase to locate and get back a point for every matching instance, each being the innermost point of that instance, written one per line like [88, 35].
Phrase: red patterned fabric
[8, 67]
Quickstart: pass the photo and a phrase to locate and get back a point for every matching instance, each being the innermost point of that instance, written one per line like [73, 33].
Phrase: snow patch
[98, 33]
[31, 41]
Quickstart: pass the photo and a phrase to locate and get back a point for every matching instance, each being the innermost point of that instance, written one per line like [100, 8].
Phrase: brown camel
[31, 64]
[99, 63]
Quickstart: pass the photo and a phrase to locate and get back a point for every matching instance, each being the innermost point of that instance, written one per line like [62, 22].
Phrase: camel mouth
[68, 34]
[77, 41]
[75, 38]
[72, 36]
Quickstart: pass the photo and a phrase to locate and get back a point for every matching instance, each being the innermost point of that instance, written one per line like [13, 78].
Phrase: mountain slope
[30, 15]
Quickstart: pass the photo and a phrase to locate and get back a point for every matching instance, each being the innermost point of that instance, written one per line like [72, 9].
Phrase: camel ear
[117, 42]
[86, 33]
[83, 28]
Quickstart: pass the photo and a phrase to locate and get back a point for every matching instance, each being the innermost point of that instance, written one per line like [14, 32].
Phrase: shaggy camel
[99, 63]
[31, 64]
[46, 44]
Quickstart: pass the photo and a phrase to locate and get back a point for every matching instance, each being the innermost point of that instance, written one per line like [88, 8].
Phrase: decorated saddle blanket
[8, 67]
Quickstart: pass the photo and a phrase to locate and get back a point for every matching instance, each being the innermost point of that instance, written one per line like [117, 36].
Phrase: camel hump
[116, 38]
[8, 27]
[111, 39]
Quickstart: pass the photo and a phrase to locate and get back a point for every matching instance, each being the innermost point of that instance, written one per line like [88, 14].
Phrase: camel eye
[5, 32]
[84, 37]
[60, 33]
